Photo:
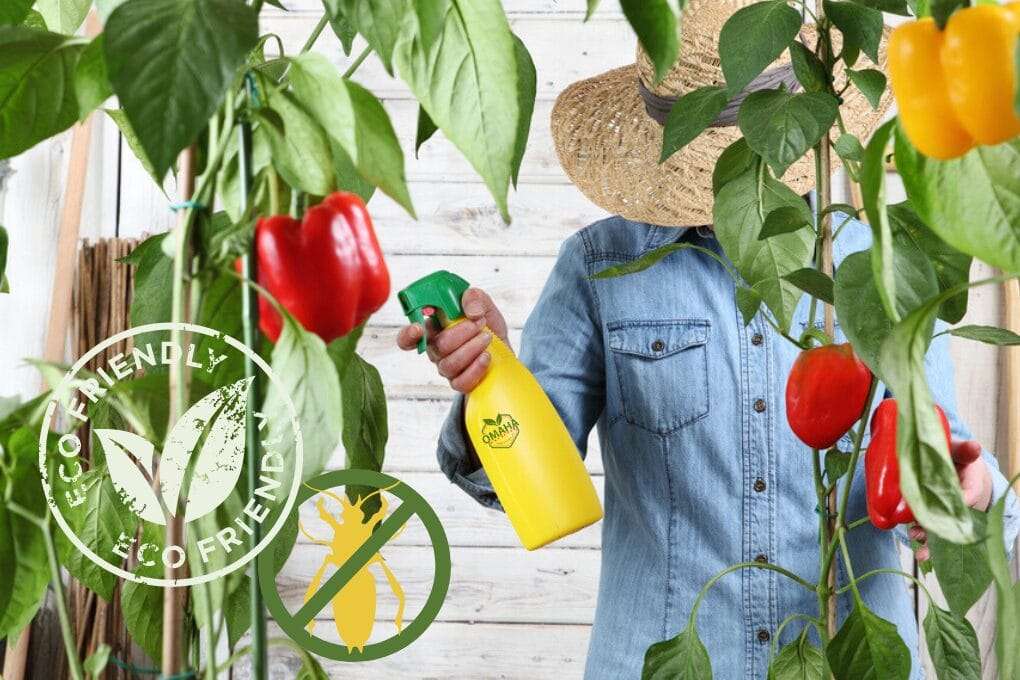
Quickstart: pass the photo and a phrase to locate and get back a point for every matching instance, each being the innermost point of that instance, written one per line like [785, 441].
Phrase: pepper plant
[250, 131]
[887, 298]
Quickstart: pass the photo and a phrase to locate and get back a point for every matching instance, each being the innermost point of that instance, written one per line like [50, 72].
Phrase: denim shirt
[701, 468]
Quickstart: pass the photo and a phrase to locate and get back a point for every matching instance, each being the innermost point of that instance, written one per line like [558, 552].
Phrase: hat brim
[610, 147]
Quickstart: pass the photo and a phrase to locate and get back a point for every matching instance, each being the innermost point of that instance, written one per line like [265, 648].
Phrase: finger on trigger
[409, 336]
[476, 303]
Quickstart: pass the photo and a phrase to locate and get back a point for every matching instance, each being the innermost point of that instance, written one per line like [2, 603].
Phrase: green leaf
[426, 128]
[837, 464]
[873, 193]
[963, 571]
[592, 6]
[527, 86]
[8, 558]
[952, 267]
[655, 25]
[467, 48]
[971, 202]
[4, 242]
[354, 118]
[849, 147]
[1007, 625]
[754, 37]
[347, 176]
[118, 116]
[98, 522]
[783, 220]
[735, 160]
[28, 568]
[299, 145]
[37, 98]
[892, 6]
[808, 68]
[310, 669]
[689, 117]
[799, 660]
[651, 257]
[681, 658]
[942, 9]
[868, 647]
[345, 32]
[90, 82]
[153, 288]
[1016, 85]
[13, 12]
[781, 127]
[858, 304]
[813, 282]
[845, 208]
[171, 63]
[953, 645]
[237, 612]
[748, 302]
[987, 334]
[142, 607]
[861, 26]
[871, 83]
[97, 660]
[378, 21]
[928, 478]
[63, 16]
[739, 211]
[106, 7]
[306, 372]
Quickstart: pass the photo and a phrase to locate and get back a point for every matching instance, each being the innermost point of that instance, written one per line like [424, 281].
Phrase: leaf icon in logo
[125, 452]
[204, 451]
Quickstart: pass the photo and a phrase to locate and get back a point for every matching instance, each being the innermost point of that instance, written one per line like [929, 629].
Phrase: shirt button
[764, 636]
[759, 485]
[658, 346]
[761, 558]
[757, 339]
[759, 405]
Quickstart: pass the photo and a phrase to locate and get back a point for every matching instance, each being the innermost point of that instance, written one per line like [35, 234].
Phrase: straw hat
[609, 143]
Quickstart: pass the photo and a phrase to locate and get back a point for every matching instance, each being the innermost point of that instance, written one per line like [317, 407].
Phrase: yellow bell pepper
[921, 90]
[955, 88]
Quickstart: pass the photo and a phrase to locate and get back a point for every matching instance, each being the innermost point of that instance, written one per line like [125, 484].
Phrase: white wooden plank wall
[510, 613]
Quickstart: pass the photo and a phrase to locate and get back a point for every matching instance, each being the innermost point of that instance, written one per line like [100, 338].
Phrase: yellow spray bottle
[526, 450]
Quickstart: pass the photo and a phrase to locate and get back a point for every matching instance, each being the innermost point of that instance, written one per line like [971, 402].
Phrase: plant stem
[824, 197]
[249, 325]
[66, 632]
[748, 565]
[358, 62]
[887, 570]
[316, 32]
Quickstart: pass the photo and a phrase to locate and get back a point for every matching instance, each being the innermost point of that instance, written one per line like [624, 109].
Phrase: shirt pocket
[662, 370]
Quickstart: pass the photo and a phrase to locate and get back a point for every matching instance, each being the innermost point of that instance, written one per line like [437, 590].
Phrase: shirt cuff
[455, 461]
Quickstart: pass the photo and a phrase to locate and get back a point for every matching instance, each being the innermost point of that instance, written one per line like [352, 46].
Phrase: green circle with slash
[413, 504]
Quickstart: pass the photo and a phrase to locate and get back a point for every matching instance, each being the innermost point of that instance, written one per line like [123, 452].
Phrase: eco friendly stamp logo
[141, 480]
[502, 432]
[357, 543]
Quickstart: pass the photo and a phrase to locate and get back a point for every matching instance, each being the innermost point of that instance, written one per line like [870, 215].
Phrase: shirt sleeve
[939, 366]
[562, 346]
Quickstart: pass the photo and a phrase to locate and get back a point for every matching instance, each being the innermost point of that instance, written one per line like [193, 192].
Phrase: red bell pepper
[327, 270]
[826, 394]
[886, 505]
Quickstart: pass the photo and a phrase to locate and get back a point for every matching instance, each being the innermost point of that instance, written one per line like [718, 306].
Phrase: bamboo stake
[173, 598]
[1012, 313]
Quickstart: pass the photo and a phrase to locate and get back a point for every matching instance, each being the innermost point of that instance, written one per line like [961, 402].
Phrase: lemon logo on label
[502, 432]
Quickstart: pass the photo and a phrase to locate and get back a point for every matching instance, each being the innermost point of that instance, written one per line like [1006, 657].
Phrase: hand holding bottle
[460, 352]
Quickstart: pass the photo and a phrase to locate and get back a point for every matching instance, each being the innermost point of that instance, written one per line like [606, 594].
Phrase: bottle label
[501, 432]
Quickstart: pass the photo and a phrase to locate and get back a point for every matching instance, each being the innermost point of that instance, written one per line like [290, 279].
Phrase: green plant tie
[187, 205]
[131, 668]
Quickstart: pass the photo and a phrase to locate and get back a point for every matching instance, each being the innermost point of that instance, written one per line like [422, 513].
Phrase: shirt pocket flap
[657, 339]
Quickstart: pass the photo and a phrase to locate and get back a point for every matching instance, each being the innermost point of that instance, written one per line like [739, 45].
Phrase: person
[701, 469]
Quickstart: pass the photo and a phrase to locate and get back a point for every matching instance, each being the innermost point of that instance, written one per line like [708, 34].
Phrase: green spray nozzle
[440, 293]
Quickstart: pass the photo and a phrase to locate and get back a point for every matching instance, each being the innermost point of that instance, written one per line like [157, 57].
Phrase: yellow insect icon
[354, 606]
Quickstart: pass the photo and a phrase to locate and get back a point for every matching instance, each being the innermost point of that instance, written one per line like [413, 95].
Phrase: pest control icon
[356, 514]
